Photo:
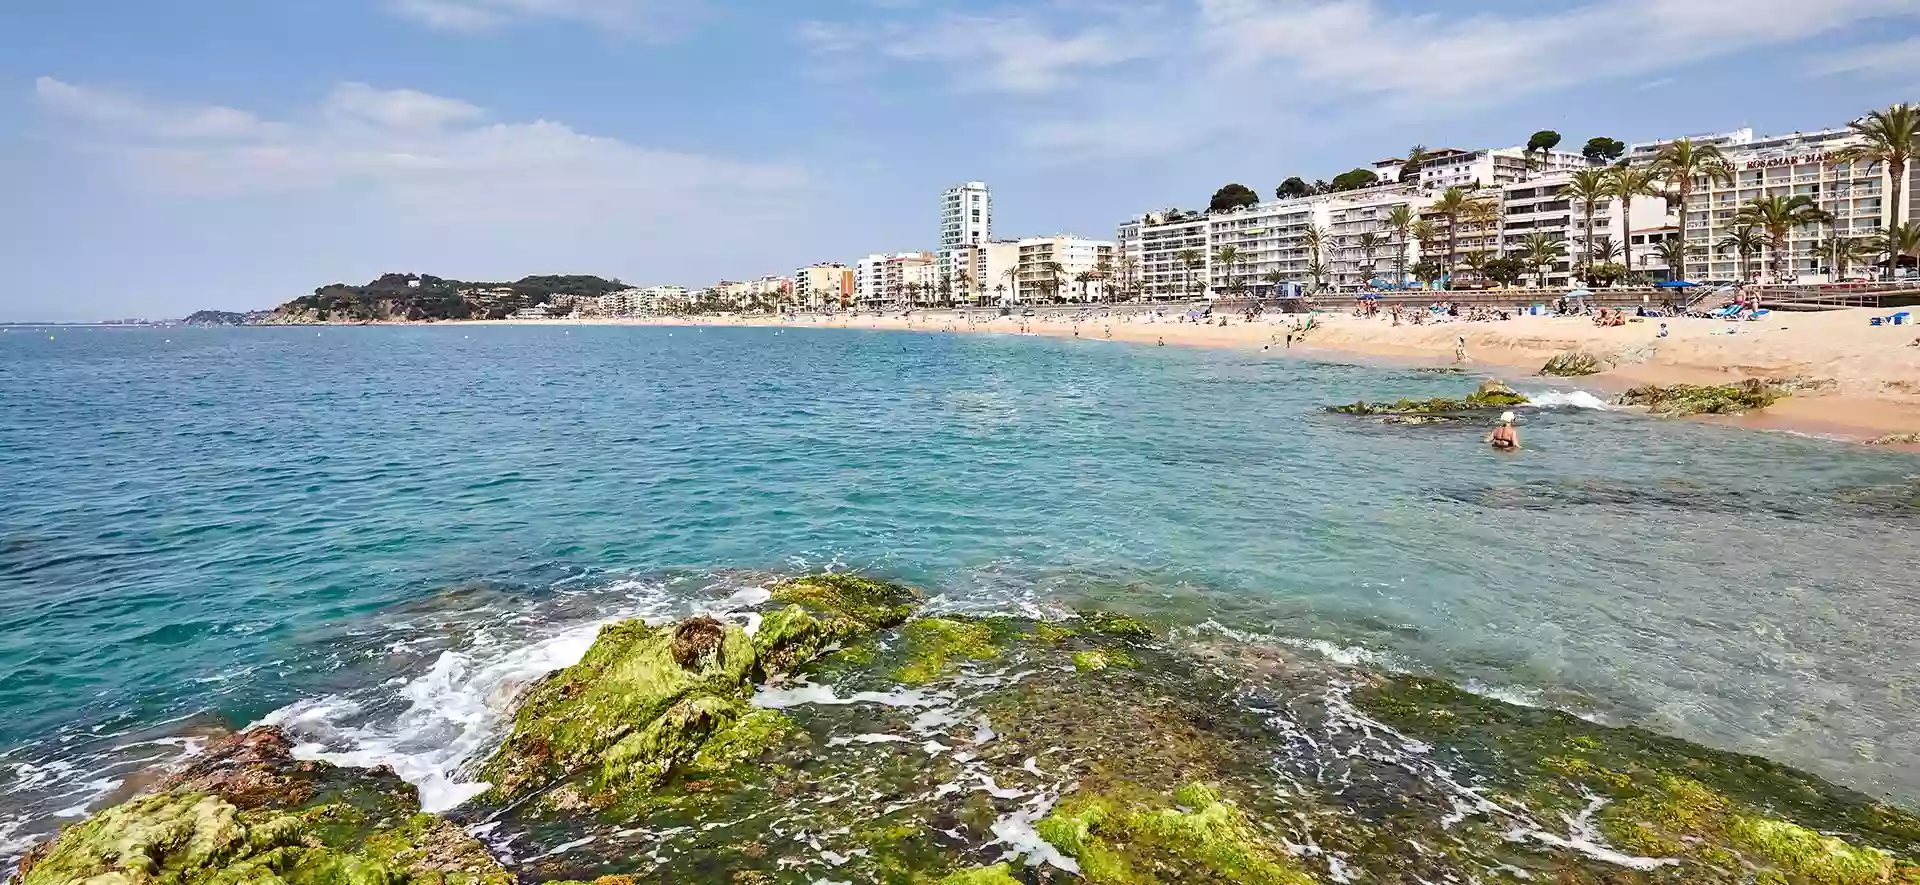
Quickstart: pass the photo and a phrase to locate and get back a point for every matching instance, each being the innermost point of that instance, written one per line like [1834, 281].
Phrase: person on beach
[1460, 349]
[1505, 438]
[1663, 330]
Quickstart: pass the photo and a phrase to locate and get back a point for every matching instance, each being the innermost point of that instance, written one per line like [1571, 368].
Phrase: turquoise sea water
[374, 535]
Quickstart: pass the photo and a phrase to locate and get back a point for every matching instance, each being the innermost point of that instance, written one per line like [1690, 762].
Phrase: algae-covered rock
[1491, 395]
[1195, 837]
[1687, 399]
[256, 769]
[1896, 439]
[193, 838]
[937, 643]
[646, 702]
[1573, 364]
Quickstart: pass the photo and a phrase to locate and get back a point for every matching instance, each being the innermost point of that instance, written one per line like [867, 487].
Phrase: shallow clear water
[374, 535]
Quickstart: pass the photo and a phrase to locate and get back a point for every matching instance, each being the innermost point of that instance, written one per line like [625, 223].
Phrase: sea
[374, 536]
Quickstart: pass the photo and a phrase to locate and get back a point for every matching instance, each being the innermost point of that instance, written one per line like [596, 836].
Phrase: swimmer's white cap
[1506, 417]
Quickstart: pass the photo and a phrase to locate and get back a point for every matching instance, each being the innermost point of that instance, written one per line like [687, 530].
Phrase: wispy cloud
[639, 17]
[425, 151]
[1898, 59]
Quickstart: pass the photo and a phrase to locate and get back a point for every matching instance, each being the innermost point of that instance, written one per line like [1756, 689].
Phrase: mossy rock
[1573, 364]
[192, 838]
[1680, 400]
[1439, 406]
[1192, 836]
[646, 703]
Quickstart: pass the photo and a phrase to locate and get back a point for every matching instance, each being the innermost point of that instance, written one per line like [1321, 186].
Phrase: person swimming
[1505, 437]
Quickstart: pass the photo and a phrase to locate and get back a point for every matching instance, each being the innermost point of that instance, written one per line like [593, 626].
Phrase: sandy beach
[1864, 380]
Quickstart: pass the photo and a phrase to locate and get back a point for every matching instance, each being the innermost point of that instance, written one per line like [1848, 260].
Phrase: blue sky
[158, 157]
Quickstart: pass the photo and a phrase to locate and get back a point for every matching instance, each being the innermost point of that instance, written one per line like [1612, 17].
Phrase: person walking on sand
[1505, 438]
[1460, 349]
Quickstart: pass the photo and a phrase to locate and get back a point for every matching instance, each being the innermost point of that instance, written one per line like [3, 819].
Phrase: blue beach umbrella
[1580, 293]
[1676, 284]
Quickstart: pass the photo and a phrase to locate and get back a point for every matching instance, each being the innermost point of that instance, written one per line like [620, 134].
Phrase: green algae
[743, 741]
[1435, 406]
[934, 643]
[1680, 400]
[188, 838]
[1115, 624]
[872, 603]
[646, 703]
[998, 874]
[1199, 838]
[1046, 632]
[1094, 660]
[1572, 364]
[1809, 856]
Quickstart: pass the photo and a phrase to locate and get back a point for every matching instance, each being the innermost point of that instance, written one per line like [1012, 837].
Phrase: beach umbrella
[1580, 293]
[1676, 284]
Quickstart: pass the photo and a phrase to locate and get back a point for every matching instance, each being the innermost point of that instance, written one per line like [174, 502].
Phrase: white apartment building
[985, 274]
[966, 219]
[1542, 206]
[1644, 151]
[1163, 271]
[1076, 256]
[624, 302]
[1127, 255]
[1273, 238]
[1787, 165]
[1450, 167]
[659, 298]
[880, 281]
[823, 286]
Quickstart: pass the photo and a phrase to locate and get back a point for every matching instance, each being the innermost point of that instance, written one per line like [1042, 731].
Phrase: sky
[163, 156]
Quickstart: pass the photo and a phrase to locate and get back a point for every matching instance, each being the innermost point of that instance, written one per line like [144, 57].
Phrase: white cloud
[627, 16]
[1011, 53]
[423, 153]
[1251, 70]
[1898, 59]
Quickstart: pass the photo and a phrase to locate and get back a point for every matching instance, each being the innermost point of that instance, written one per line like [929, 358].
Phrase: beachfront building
[1127, 257]
[1174, 250]
[1268, 237]
[663, 298]
[881, 281]
[1786, 165]
[1491, 167]
[966, 220]
[826, 286]
[621, 303]
[1063, 267]
[985, 274]
[1471, 237]
[1644, 151]
[1356, 219]
[1541, 205]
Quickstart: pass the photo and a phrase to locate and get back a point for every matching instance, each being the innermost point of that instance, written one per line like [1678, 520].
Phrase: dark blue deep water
[372, 535]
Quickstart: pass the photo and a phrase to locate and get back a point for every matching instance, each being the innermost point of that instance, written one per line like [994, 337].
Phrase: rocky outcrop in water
[1491, 395]
[838, 733]
[1680, 400]
[248, 812]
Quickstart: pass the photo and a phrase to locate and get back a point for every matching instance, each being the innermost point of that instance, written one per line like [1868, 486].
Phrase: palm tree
[1540, 252]
[1841, 252]
[1273, 279]
[1476, 262]
[963, 283]
[1189, 261]
[1012, 277]
[1897, 242]
[1589, 186]
[1778, 215]
[1485, 216]
[1054, 278]
[1369, 243]
[1315, 239]
[1416, 155]
[1605, 249]
[1129, 274]
[1452, 204]
[1624, 183]
[1103, 271]
[1891, 136]
[1681, 162]
[1000, 291]
[1400, 220]
[1675, 251]
[1746, 241]
[1227, 257]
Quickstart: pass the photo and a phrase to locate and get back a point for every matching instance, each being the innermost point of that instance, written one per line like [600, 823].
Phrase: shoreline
[1868, 377]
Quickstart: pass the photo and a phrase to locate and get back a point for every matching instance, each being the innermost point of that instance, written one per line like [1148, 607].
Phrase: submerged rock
[1687, 399]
